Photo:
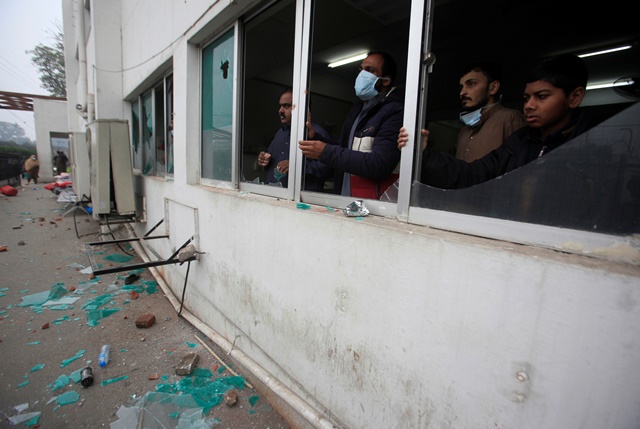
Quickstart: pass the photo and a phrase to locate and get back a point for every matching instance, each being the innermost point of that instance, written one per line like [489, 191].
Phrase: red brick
[146, 320]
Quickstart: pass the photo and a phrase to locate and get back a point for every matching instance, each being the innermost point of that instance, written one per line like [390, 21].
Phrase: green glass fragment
[24, 383]
[38, 367]
[60, 382]
[71, 359]
[59, 307]
[151, 287]
[116, 257]
[68, 398]
[253, 400]
[113, 380]
[95, 315]
[33, 343]
[192, 345]
[98, 301]
[57, 291]
[60, 320]
[76, 376]
[34, 299]
[32, 421]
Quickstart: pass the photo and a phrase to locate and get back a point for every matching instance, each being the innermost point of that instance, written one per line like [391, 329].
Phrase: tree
[13, 133]
[50, 63]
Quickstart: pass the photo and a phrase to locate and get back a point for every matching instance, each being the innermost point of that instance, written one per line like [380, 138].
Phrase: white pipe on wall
[82, 58]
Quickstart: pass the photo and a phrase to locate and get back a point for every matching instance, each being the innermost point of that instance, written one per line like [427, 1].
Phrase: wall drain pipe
[305, 410]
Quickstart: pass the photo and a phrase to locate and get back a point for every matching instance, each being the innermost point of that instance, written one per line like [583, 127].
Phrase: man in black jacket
[552, 95]
[367, 157]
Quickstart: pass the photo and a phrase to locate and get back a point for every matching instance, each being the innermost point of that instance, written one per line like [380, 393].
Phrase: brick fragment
[187, 364]
[146, 320]
[45, 326]
[230, 397]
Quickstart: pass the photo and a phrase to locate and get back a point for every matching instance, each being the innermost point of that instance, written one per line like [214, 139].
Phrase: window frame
[537, 235]
[417, 79]
[150, 90]
[294, 173]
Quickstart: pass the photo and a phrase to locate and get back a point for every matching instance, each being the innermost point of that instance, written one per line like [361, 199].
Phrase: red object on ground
[146, 320]
[9, 191]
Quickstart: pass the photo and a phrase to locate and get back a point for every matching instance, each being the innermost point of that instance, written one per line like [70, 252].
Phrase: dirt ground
[41, 344]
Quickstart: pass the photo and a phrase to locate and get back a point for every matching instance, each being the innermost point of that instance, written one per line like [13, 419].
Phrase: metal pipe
[306, 411]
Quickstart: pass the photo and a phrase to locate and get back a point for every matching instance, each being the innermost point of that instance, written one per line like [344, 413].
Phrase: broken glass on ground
[94, 316]
[71, 359]
[160, 410]
[29, 419]
[113, 380]
[207, 393]
[60, 382]
[116, 257]
[68, 398]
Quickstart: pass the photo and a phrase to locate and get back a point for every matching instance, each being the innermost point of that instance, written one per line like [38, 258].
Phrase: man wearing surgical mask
[367, 157]
[487, 123]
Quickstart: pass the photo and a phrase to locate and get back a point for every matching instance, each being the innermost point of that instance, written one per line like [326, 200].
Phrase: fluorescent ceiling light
[605, 51]
[348, 60]
[628, 81]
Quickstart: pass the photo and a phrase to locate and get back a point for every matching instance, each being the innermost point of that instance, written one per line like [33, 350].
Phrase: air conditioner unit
[111, 168]
[79, 158]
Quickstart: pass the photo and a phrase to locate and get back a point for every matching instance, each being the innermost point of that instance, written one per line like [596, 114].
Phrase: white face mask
[471, 118]
[366, 85]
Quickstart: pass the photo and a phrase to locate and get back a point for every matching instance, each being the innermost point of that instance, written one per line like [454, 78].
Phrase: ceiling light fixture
[348, 60]
[605, 51]
[625, 82]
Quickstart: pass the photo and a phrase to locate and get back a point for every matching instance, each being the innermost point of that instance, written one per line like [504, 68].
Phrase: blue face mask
[366, 85]
[471, 118]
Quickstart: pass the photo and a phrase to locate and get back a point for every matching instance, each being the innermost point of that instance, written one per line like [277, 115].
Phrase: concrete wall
[375, 323]
[50, 117]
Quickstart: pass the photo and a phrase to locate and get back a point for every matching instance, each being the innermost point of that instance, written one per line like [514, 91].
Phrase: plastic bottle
[103, 359]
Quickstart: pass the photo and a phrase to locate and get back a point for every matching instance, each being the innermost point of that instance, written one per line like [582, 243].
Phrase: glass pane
[148, 151]
[135, 135]
[268, 70]
[159, 130]
[169, 112]
[218, 69]
[588, 183]
[363, 158]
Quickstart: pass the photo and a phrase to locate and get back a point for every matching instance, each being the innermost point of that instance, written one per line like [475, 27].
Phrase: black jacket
[441, 170]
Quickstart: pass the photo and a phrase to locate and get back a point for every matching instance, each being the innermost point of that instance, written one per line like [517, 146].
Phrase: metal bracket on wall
[173, 259]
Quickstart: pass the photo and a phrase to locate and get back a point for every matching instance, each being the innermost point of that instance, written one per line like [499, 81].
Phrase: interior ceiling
[516, 33]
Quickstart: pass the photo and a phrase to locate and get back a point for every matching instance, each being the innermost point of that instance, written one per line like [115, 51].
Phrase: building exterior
[483, 307]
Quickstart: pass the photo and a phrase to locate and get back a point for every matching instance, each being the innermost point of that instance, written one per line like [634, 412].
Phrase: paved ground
[44, 261]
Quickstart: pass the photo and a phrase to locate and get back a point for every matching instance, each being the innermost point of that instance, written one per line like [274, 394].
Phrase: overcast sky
[23, 25]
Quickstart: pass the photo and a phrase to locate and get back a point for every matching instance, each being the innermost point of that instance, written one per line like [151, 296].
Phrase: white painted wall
[376, 323]
[50, 116]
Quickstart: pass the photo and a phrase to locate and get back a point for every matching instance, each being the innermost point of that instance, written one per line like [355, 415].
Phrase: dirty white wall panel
[389, 325]
[105, 67]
